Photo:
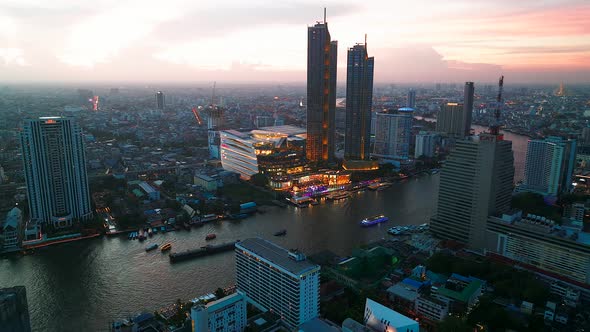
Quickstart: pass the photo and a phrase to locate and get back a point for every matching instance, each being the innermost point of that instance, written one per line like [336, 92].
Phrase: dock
[201, 252]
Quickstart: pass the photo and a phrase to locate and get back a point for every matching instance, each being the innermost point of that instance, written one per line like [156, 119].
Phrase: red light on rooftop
[50, 121]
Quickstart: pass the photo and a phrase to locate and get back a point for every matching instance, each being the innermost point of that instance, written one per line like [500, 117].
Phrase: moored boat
[166, 247]
[151, 247]
[210, 237]
[374, 220]
[282, 232]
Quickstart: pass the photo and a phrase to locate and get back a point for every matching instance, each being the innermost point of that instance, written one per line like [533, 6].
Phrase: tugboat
[151, 247]
[166, 247]
[282, 232]
[210, 237]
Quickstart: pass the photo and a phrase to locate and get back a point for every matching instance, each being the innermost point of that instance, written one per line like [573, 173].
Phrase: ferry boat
[210, 237]
[339, 196]
[370, 221]
[209, 217]
[166, 247]
[282, 232]
[151, 247]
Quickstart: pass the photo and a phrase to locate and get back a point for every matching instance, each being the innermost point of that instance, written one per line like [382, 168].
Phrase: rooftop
[380, 316]
[318, 325]
[225, 301]
[465, 293]
[276, 255]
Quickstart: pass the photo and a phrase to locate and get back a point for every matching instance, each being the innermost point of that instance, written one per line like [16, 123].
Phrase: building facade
[12, 230]
[449, 121]
[322, 56]
[549, 166]
[425, 144]
[411, 101]
[160, 100]
[55, 171]
[359, 102]
[468, 95]
[393, 133]
[278, 280]
[476, 181]
[14, 310]
[227, 314]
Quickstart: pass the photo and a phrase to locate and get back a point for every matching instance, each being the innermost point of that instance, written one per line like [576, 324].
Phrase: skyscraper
[393, 131]
[160, 100]
[475, 182]
[468, 92]
[549, 166]
[278, 280]
[450, 120]
[14, 310]
[411, 102]
[322, 55]
[359, 101]
[55, 171]
[425, 144]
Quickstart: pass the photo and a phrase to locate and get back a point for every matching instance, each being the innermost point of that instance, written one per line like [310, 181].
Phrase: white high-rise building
[392, 134]
[549, 166]
[278, 280]
[425, 144]
[227, 314]
[411, 102]
[55, 171]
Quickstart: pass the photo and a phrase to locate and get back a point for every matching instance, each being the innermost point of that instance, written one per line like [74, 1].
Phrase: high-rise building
[475, 182]
[449, 121]
[425, 144]
[227, 314]
[549, 166]
[469, 91]
[55, 171]
[322, 55]
[359, 101]
[411, 102]
[14, 310]
[278, 280]
[160, 100]
[215, 123]
[393, 132]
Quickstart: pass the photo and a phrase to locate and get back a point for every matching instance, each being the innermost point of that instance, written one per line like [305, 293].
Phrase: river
[81, 286]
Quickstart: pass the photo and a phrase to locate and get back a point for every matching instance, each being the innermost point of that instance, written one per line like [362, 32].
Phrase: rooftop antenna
[325, 15]
[495, 128]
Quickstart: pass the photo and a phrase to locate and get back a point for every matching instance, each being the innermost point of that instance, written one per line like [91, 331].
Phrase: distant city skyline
[181, 41]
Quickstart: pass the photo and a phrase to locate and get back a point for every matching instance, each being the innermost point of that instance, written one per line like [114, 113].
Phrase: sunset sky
[261, 40]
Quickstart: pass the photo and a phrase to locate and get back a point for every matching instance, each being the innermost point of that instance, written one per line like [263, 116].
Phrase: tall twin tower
[322, 54]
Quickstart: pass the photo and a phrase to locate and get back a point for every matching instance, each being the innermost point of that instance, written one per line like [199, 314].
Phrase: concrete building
[432, 308]
[425, 144]
[359, 101]
[227, 314]
[208, 183]
[278, 280]
[14, 310]
[393, 134]
[322, 56]
[55, 171]
[411, 101]
[150, 191]
[549, 166]
[475, 182]
[12, 230]
[160, 100]
[460, 292]
[264, 121]
[318, 325]
[275, 151]
[541, 244]
[380, 318]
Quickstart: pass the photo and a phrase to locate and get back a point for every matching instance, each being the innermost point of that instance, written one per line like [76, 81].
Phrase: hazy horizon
[182, 41]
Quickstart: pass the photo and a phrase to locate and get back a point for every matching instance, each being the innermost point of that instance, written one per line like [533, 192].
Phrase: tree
[259, 180]
[219, 293]
[454, 324]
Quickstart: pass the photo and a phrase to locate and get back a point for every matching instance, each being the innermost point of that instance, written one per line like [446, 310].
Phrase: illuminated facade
[214, 116]
[279, 280]
[276, 151]
[55, 171]
[359, 101]
[321, 93]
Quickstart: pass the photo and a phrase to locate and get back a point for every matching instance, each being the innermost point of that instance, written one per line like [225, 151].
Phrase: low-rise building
[227, 314]
[432, 308]
[380, 318]
[151, 192]
[12, 230]
[206, 182]
[462, 292]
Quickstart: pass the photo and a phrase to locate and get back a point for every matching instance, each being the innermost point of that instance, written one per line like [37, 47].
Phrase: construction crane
[495, 127]
[197, 116]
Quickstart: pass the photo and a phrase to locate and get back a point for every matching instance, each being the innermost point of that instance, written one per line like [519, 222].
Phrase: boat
[155, 230]
[202, 251]
[163, 228]
[151, 247]
[374, 220]
[150, 232]
[315, 202]
[238, 216]
[282, 232]
[210, 237]
[209, 217]
[339, 196]
[374, 186]
[166, 247]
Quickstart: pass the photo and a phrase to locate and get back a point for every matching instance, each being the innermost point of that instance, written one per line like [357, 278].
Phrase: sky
[529, 41]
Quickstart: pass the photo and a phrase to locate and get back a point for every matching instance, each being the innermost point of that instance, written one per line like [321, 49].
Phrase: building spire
[325, 15]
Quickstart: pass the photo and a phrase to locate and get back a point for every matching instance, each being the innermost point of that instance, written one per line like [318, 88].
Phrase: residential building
[322, 56]
[426, 143]
[450, 120]
[393, 134]
[541, 245]
[264, 121]
[12, 230]
[475, 182]
[278, 280]
[160, 100]
[432, 308]
[318, 325]
[14, 310]
[227, 314]
[411, 101]
[359, 101]
[274, 151]
[351, 325]
[380, 318]
[206, 182]
[55, 171]
[549, 166]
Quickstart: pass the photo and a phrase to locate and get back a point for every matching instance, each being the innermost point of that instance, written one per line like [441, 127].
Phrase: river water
[81, 286]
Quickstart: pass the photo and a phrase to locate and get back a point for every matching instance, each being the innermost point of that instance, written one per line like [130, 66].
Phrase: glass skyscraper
[359, 101]
[55, 171]
[322, 55]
